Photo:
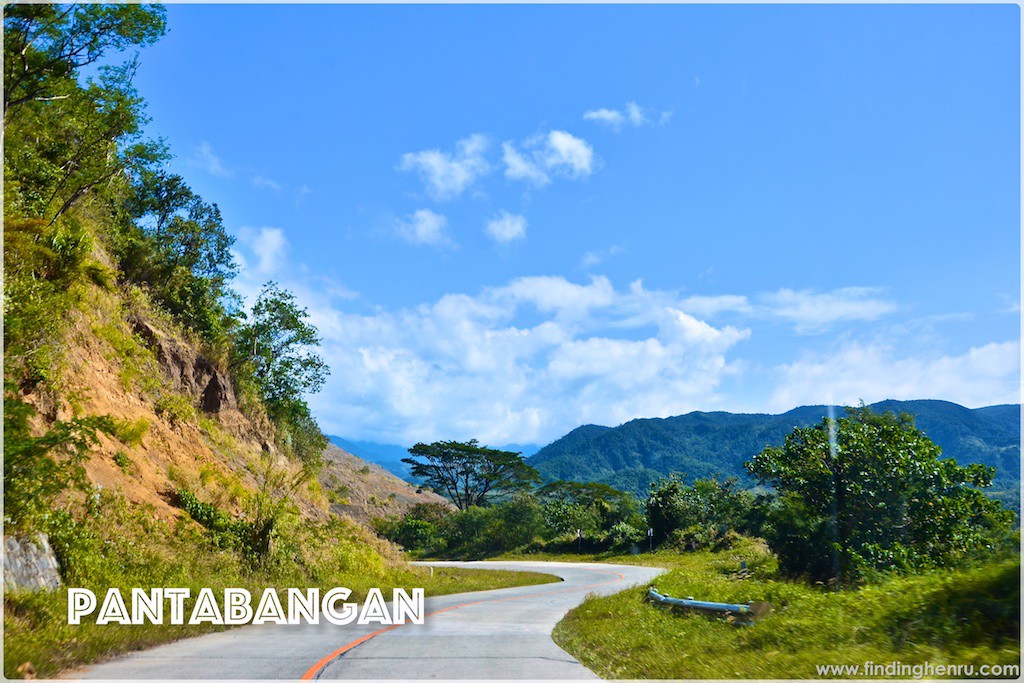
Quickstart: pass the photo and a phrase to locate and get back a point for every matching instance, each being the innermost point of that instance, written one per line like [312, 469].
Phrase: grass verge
[968, 616]
[117, 544]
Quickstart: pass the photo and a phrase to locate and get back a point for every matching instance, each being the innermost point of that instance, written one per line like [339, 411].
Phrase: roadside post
[650, 539]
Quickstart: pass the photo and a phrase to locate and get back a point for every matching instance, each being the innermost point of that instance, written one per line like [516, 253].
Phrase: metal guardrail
[743, 614]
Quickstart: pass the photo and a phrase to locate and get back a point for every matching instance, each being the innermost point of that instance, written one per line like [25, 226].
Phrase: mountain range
[715, 444]
[699, 444]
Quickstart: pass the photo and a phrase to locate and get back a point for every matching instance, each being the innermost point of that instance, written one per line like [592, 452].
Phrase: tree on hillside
[468, 473]
[65, 138]
[869, 491]
[277, 351]
[45, 44]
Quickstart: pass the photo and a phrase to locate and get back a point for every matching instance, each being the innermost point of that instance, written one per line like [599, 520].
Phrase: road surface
[498, 634]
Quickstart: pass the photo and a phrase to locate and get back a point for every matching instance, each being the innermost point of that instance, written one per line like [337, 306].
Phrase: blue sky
[511, 220]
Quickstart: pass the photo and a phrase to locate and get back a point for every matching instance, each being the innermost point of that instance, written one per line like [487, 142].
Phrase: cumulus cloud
[519, 167]
[210, 162]
[425, 227]
[610, 117]
[523, 362]
[632, 114]
[568, 153]
[874, 371]
[557, 153]
[506, 227]
[269, 246]
[448, 175]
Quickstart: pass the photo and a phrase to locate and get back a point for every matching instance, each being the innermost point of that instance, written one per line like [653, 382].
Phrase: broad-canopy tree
[470, 474]
[869, 491]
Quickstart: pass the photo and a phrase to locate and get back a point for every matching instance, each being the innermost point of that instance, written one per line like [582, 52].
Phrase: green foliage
[176, 408]
[43, 266]
[131, 432]
[122, 460]
[624, 535]
[699, 515]
[174, 243]
[224, 531]
[278, 346]
[470, 474]
[38, 468]
[64, 139]
[872, 489]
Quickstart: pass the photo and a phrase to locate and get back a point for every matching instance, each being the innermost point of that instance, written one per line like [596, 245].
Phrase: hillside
[365, 490]
[716, 444]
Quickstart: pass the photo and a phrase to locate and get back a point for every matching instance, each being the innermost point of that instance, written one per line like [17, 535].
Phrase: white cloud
[983, 375]
[268, 245]
[526, 362]
[635, 113]
[449, 175]
[813, 312]
[712, 305]
[569, 153]
[611, 117]
[596, 258]
[506, 227]
[269, 183]
[425, 227]
[210, 162]
[518, 167]
[558, 152]
[632, 113]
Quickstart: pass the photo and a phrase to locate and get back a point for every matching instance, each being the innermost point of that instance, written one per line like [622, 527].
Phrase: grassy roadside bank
[967, 616]
[123, 545]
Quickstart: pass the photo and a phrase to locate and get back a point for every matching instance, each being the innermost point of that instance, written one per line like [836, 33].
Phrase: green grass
[968, 616]
[117, 544]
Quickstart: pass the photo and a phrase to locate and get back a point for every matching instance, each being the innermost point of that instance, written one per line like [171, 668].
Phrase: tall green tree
[870, 491]
[281, 345]
[470, 474]
[276, 349]
[65, 134]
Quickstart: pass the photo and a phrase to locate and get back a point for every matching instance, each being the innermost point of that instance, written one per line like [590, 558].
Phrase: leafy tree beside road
[870, 492]
[470, 474]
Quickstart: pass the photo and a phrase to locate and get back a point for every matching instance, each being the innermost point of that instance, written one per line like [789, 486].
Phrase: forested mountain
[716, 444]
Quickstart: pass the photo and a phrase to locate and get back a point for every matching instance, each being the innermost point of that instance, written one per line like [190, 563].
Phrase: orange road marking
[313, 671]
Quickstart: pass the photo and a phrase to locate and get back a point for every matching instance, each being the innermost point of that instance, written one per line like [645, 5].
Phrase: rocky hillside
[365, 490]
[183, 426]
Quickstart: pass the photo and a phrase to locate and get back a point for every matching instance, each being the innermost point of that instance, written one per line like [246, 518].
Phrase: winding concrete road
[498, 634]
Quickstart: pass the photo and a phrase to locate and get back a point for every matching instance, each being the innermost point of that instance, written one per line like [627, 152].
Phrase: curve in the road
[497, 634]
[315, 670]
